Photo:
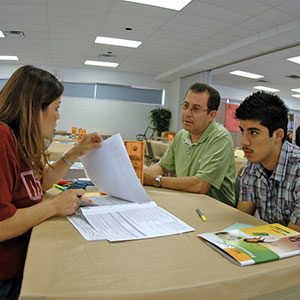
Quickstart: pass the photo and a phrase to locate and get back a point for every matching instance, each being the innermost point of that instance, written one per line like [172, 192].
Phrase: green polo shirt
[210, 158]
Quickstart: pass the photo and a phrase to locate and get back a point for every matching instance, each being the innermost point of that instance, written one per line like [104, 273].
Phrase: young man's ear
[278, 134]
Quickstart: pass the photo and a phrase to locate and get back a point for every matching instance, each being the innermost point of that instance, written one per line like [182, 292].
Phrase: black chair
[143, 136]
[237, 189]
[150, 155]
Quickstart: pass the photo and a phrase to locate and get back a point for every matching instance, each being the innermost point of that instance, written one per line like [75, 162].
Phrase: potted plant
[160, 119]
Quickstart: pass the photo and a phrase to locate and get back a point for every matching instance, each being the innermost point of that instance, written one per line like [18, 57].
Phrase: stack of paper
[130, 214]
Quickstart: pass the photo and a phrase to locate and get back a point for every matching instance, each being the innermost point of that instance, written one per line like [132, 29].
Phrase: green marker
[59, 187]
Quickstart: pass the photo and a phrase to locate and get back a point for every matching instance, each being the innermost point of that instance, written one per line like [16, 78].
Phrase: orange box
[74, 131]
[81, 133]
[170, 138]
[136, 151]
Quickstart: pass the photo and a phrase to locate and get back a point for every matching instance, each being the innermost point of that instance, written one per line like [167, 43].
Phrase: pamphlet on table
[255, 244]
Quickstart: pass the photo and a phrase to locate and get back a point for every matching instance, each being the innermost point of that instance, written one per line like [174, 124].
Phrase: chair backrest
[150, 154]
[237, 189]
[149, 149]
[143, 136]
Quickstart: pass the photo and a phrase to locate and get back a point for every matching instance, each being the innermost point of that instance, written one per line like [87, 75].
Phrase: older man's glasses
[193, 109]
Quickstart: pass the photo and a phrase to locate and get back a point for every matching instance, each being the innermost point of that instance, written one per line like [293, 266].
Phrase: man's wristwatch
[157, 182]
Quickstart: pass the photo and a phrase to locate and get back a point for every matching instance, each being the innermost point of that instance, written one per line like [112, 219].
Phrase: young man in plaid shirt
[270, 181]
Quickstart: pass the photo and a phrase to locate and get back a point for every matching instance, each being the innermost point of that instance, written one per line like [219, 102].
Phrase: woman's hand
[65, 203]
[88, 142]
[59, 168]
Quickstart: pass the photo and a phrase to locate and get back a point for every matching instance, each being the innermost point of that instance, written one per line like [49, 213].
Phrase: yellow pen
[59, 187]
[201, 215]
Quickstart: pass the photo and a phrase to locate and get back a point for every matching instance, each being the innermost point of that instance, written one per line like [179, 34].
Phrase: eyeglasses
[194, 109]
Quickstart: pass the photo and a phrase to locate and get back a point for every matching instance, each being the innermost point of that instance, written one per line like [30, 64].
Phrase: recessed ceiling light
[295, 59]
[117, 42]
[296, 90]
[246, 74]
[296, 95]
[1, 34]
[8, 57]
[170, 4]
[265, 88]
[101, 63]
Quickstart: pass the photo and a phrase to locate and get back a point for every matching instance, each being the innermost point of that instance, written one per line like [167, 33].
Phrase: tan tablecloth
[64, 138]
[62, 265]
[159, 148]
[56, 149]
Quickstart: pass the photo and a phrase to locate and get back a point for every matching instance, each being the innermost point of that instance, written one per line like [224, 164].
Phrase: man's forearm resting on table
[247, 207]
[191, 184]
[187, 184]
[293, 226]
[154, 170]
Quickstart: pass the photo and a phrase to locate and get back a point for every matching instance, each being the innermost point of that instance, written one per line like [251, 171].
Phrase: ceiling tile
[292, 7]
[247, 7]
[256, 24]
[196, 31]
[276, 16]
[214, 12]
[206, 34]
[201, 22]
[271, 2]
[239, 31]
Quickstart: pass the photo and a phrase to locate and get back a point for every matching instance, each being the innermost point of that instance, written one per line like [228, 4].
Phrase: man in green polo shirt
[201, 155]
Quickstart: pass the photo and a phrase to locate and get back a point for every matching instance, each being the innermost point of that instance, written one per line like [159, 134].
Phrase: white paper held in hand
[110, 169]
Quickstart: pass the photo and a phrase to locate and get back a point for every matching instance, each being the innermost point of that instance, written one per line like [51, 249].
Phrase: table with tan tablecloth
[61, 265]
[57, 148]
[159, 148]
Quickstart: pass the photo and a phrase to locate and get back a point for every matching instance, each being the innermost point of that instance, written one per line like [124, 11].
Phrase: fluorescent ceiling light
[265, 88]
[8, 57]
[246, 74]
[170, 4]
[101, 63]
[295, 59]
[296, 90]
[296, 95]
[1, 34]
[117, 42]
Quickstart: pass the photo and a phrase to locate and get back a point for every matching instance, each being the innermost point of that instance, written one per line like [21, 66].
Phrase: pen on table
[201, 215]
[59, 187]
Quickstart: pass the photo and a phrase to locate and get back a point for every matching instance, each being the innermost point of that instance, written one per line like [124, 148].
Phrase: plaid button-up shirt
[277, 199]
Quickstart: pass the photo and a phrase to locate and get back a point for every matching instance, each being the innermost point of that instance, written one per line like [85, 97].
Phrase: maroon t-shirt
[18, 189]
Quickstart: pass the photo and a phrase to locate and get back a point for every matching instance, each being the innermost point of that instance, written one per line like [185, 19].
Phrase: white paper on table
[77, 166]
[133, 221]
[85, 229]
[103, 201]
[110, 169]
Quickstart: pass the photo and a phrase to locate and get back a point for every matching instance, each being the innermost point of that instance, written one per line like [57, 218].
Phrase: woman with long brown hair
[29, 104]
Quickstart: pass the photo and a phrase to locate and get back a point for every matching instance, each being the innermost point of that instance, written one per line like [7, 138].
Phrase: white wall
[127, 118]
[102, 115]
[231, 93]
[105, 116]
[173, 103]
